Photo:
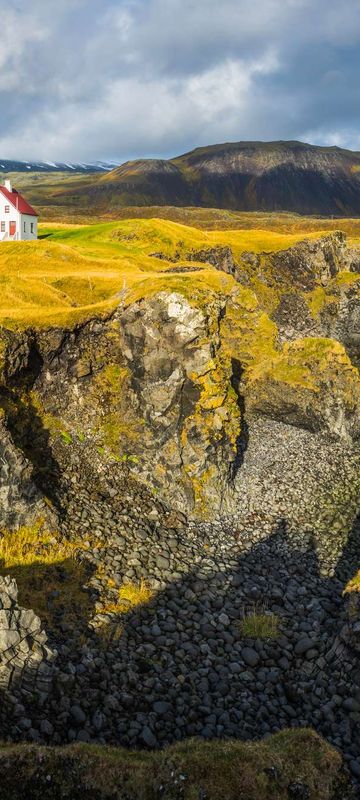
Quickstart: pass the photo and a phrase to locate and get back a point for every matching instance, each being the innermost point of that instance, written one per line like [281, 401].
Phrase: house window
[32, 227]
[3, 227]
[24, 227]
[7, 209]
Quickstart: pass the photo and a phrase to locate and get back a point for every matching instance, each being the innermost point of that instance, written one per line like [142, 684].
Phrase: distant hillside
[244, 176]
[54, 166]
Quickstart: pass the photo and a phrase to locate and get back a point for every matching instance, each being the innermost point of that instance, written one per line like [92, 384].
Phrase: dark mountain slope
[146, 181]
[275, 176]
[247, 176]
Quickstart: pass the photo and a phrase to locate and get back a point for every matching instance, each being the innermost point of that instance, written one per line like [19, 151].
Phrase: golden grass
[32, 545]
[303, 363]
[131, 595]
[136, 595]
[77, 272]
[353, 585]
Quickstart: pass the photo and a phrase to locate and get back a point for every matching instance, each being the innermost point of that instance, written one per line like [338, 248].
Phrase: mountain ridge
[243, 176]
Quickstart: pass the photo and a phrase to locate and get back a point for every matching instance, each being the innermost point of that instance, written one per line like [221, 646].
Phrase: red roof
[18, 202]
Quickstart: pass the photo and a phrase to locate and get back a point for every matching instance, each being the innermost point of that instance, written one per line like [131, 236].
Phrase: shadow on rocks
[33, 440]
[185, 667]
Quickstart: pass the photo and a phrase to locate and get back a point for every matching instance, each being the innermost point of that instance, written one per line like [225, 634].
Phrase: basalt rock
[312, 286]
[182, 390]
[219, 257]
[312, 263]
[340, 318]
[311, 384]
[26, 662]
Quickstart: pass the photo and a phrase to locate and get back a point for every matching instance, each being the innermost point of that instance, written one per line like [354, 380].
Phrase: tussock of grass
[353, 585]
[131, 595]
[136, 595]
[32, 545]
[259, 625]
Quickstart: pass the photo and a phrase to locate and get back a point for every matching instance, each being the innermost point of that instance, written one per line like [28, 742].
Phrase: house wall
[26, 234]
[6, 218]
[19, 219]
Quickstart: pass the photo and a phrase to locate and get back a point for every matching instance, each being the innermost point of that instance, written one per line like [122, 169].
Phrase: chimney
[8, 186]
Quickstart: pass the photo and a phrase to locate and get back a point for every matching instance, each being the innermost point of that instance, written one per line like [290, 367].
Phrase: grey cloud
[81, 79]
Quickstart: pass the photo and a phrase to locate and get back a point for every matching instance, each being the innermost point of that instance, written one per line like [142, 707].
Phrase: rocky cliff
[173, 385]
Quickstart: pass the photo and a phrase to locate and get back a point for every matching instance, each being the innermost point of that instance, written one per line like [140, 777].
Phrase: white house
[18, 220]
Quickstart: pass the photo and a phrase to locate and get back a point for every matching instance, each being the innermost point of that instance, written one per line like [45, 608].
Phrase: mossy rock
[310, 383]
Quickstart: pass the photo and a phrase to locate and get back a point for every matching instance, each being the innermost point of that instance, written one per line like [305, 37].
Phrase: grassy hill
[76, 271]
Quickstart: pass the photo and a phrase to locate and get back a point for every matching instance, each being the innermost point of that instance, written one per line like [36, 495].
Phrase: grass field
[74, 272]
[53, 194]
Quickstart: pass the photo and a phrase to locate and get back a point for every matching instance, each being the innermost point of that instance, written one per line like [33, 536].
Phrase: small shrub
[353, 585]
[352, 593]
[136, 595]
[109, 633]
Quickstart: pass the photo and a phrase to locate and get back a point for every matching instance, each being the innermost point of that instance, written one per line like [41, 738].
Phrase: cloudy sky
[117, 79]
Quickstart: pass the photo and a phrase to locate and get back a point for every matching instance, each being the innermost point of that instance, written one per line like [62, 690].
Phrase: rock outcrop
[311, 384]
[21, 502]
[26, 662]
[181, 384]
